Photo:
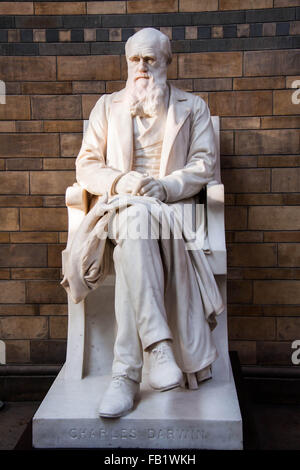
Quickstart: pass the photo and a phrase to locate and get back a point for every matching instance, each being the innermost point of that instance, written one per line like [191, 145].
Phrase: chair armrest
[77, 197]
[216, 225]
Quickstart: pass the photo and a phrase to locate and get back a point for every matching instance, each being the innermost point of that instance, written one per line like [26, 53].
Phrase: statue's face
[146, 61]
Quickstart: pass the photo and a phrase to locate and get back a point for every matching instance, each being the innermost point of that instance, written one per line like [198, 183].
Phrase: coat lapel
[123, 130]
[178, 112]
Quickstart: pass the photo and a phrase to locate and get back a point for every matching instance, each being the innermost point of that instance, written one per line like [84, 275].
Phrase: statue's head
[148, 53]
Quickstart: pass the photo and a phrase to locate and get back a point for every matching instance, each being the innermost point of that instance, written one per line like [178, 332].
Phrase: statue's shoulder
[192, 100]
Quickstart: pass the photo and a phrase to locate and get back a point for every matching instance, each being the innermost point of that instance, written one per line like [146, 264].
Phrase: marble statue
[148, 146]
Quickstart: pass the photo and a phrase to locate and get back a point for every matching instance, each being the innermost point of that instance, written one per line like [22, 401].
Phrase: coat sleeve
[201, 158]
[92, 173]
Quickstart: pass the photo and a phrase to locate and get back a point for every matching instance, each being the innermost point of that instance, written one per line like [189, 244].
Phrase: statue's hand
[129, 182]
[151, 187]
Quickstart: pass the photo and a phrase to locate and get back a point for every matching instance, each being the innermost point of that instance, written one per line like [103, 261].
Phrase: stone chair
[208, 417]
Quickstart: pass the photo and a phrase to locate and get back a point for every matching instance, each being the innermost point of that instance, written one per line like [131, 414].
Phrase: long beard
[146, 101]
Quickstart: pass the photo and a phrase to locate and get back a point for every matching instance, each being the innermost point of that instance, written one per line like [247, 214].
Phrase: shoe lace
[117, 381]
[160, 354]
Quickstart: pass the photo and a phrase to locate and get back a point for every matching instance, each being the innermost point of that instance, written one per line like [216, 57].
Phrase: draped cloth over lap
[88, 260]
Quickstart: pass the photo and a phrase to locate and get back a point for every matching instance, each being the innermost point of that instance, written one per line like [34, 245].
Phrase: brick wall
[57, 58]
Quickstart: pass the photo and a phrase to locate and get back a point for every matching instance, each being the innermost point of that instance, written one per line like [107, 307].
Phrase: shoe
[164, 373]
[119, 397]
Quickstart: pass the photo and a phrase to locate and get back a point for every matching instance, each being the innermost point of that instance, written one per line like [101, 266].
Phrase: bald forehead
[145, 43]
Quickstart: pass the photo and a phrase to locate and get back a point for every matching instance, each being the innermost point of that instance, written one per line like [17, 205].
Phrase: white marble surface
[208, 418]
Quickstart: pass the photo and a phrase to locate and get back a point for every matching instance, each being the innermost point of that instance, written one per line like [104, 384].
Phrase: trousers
[156, 298]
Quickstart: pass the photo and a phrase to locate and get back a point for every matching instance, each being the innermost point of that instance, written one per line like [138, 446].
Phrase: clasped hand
[136, 183]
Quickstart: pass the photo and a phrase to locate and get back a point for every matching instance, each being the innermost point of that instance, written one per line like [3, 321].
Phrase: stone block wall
[241, 56]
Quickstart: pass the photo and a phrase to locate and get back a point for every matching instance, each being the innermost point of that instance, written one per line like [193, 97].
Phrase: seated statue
[152, 146]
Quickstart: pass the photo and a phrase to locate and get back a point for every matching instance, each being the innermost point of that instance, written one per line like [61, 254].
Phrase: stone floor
[277, 426]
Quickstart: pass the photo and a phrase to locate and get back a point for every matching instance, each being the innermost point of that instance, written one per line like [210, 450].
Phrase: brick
[197, 5]
[29, 145]
[56, 107]
[33, 237]
[28, 68]
[246, 351]
[240, 180]
[291, 79]
[64, 36]
[4, 237]
[16, 107]
[35, 273]
[106, 7]
[12, 292]
[59, 164]
[9, 219]
[289, 255]
[276, 292]
[54, 201]
[115, 34]
[283, 103]
[63, 237]
[23, 327]
[250, 328]
[243, 30]
[271, 14]
[88, 102]
[239, 291]
[152, 6]
[280, 122]
[13, 35]
[63, 126]
[242, 237]
[282, 237]
[274, 218]
[54, 309]
[226, 142]
[269, 29]
[259, 199]
[16, 8]
[90, 35]
[274, 353]
[20, 201]
[83, 21]
[217, 32]
[111, 87]
[240, 123]
[270, 273]
[43, 219]
[51, 182]
[279, 160]
[46, 88]
[186, 85]
[252, 255]
[295, 27]
[4, 273]
[236, 218]
[70, 144]
[23, 255]
[88, 87]
[258, 83]
[210, 64]
[212, 84]
[261, 63]
[58, 327]
[7, 126]
[240, 103]
[88, 68]
[39, 35]
[45, 292]
[191, 32]
[255, 142]
[47, 352]
[17, 351]
[245, 4]
[12, 182]
[286, 180]
[288, 328]
[286, 3]
[54, 255]
[24, 164]
[60, 8]
[29, 126]
[108, 48]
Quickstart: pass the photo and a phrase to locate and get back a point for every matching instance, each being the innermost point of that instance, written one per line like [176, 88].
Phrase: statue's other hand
[152, 187]
[127, 183]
